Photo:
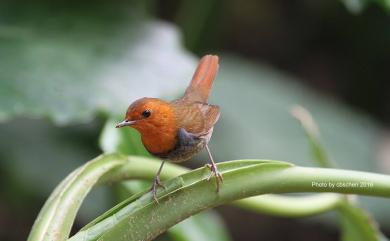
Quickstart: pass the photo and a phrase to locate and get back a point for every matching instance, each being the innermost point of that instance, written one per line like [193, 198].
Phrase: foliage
[141, 218]
[102, 49]
[84, 63]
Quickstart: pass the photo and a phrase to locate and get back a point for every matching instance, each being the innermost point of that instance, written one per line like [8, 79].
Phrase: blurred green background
[66, 67]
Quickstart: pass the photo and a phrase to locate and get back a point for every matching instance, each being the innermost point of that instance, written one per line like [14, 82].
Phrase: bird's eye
[146, 113]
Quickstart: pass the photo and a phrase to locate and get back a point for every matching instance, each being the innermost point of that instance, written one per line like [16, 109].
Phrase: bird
[177, 130]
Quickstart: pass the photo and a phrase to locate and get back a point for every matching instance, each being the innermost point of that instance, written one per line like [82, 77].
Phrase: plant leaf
[70, 63]
[57, 216]
[141, 218]
[203, 226]
[357, 225]
[310, 127]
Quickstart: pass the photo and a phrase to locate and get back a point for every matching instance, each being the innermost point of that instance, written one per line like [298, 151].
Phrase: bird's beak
[124, 123]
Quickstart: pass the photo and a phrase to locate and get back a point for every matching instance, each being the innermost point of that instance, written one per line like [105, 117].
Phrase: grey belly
[188, 145]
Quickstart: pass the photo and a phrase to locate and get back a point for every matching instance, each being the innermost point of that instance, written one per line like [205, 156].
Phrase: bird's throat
[158, 140]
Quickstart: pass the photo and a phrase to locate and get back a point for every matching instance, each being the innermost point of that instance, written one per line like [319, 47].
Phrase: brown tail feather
[203, 79]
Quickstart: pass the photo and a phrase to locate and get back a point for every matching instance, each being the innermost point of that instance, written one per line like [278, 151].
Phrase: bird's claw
[214, 172]
[153, 189]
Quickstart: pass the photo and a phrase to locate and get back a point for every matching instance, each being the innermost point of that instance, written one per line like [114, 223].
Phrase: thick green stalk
[56, 218]
[297, 179]
[291, 206]
[140, 218]
[242, 179]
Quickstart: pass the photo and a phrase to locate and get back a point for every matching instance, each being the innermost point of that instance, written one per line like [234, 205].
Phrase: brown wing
[195, 117]
[211, 115]
[202, 81]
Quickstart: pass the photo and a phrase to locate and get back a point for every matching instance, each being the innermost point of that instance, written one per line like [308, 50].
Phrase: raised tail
[202, 81]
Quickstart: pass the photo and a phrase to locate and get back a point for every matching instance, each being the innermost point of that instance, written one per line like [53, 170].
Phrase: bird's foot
[153, 189]
[214, 172]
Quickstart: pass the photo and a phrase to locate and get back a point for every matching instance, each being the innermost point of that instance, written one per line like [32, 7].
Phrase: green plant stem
[291, 206]
[241, 179]
[56, 218]
[276, 205]
[303, 179]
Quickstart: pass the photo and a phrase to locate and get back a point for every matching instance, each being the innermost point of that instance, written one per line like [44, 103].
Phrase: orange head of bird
[155, 120]
[148, 116]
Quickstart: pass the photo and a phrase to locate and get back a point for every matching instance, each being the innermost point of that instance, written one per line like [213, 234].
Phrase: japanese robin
[179, 129]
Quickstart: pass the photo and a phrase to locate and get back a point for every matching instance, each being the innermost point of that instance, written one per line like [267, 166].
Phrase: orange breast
[160, 140]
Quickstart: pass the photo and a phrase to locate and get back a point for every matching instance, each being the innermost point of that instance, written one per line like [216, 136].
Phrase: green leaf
[242, 179]
[357, 225]
[203, 226]
[317, 150]
[57, 215]
[141, 218]
[69, 63]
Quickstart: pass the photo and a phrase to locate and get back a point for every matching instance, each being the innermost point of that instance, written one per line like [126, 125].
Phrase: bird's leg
[157, 182]
[214, 170]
